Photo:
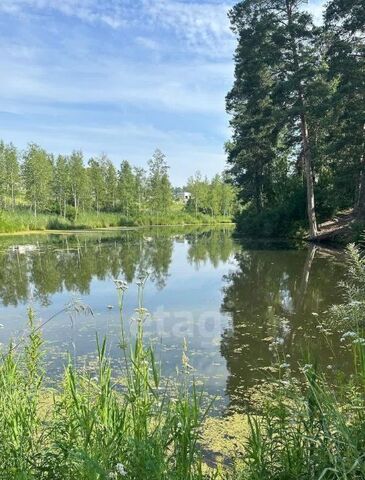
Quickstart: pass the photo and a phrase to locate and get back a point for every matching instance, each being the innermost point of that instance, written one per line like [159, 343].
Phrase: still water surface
[229, 298]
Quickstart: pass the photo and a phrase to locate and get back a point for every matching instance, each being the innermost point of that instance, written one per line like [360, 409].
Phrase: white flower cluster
[278, 341]
[120, 284]
[119, 471]
[285, 365]
[356, 340]
[306, 367]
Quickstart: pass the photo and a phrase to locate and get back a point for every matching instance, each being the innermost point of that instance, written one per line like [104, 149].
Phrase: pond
[234, 301]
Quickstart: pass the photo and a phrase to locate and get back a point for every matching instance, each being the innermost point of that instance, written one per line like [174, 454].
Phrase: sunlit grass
[25, 221]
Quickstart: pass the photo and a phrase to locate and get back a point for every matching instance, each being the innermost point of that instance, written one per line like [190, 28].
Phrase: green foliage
[215, 197]
[159, 190]
[37, 173]
[282, 220]
[9, 175]
[127, 191]
[63, 193]
[94, 428]
[297, 111]
[351, 313]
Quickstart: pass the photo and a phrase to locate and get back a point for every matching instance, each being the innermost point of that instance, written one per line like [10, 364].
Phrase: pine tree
[276, 68]
[345, 27]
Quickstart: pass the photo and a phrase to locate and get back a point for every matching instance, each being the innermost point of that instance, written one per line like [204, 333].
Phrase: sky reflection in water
[230, 299]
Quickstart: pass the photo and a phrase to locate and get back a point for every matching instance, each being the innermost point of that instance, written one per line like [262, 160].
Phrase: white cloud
[198, 23]
[203, 26]
[194, 88]
[62, 82]
[111, 13]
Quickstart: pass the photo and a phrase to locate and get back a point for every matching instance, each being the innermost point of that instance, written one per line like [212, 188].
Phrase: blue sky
[119, 76]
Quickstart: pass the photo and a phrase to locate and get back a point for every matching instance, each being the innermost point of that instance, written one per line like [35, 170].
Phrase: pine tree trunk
[360, 203]
[311, 208]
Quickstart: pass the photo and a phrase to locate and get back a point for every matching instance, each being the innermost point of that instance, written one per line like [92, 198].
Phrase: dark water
[230, 299]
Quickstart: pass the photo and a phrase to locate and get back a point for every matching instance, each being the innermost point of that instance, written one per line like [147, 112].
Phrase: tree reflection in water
[278, 294]
[69, 262]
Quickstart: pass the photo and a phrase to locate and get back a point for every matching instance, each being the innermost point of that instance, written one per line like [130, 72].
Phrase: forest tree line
[297, 111]
[66, 184]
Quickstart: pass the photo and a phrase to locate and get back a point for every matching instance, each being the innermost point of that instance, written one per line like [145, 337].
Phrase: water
[230, 299]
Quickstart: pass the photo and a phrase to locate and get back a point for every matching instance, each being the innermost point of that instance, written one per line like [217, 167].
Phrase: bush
[282, 220]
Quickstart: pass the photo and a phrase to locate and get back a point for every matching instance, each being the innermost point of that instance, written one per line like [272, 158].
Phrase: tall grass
[24, 221]
[95, 427]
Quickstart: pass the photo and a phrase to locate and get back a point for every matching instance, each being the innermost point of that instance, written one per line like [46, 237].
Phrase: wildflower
[142, 311]
[285, 383]
[141, 279]
[276, 342]
[306, 367]
[355, 302]
[179, 425]
[349, 334]
[120, 284]
[120, 469]
[284, 365]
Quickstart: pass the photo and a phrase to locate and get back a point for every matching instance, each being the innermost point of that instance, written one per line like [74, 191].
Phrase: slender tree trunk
[360, 201]
[75, 205]
[258, 195]
[311, 208]
[12, 196]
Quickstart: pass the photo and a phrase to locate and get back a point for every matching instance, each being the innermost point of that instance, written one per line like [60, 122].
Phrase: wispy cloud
[123, 76]
[194, 21]
[195, 88]
[111, 13]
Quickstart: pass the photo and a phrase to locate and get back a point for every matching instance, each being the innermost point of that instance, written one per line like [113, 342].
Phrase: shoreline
[108, 229]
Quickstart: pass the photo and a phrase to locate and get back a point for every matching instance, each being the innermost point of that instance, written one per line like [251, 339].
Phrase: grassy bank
[133, 424]
[23, 221]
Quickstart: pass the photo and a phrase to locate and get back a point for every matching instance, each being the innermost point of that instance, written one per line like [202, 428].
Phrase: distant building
[184, 197]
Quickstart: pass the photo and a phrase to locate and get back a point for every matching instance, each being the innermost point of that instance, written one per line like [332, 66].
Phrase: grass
[95, 427]
[24, 221]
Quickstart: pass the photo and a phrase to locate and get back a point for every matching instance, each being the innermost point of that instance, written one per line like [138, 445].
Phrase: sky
[121, 77]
